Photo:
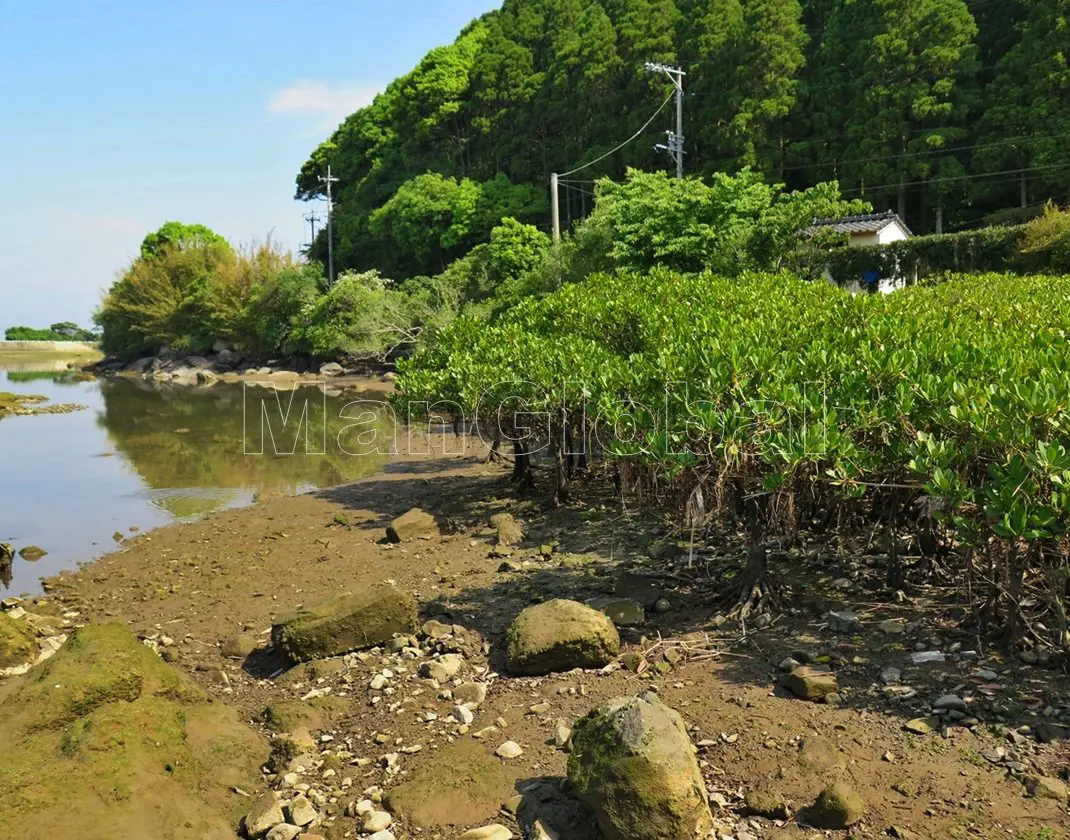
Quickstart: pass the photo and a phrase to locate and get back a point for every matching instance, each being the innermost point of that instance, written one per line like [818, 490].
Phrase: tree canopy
[944, 110]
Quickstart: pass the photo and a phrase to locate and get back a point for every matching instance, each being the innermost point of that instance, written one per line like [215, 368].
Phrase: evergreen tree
[1026, 124]
[894, 87]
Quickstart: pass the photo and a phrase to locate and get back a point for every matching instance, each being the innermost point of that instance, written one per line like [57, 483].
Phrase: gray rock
[1047, 787]
[284, 831]
[444, 668]
[345, 623]
[788, 665]
[891, 676]
[925, 656]
[471, 693]
[843, 621]
[951, 701]
[632, 750]
[331, 369]
[300, 811]
[415, 523]
[377, 821]
[265, 814]
[239, 646]
[560, 635]
[809, 683]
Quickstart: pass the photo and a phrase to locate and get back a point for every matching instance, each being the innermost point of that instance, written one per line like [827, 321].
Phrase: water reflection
[212, 439]
[143, 455]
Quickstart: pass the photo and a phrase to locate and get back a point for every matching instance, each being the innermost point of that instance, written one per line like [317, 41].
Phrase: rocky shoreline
[500, 671]
[227, 365]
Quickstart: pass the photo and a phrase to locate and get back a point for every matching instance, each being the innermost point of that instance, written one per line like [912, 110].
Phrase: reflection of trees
[182, 437]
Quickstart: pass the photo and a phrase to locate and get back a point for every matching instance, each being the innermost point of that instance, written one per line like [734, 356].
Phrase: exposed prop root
[755, 597]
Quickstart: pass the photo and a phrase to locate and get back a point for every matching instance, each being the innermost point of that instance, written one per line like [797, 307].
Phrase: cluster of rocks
[29, 638]
[224, 364]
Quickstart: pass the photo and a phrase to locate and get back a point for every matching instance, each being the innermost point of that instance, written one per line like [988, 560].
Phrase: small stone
[662, 605]
[562, 735]
[377, 821]
[843, 621]
[510, 749]
[788, 665]
[624, 612]
[892, 626]
[464, 715]
[811, 684]
[924, 656]
[891, 676]
[922, 726]
[951, 701]
[300, 811]
[470, 694]
[239, 646]
[381, 835]
[284, 831]
[378, 683]
[766, 804]
[488, 832]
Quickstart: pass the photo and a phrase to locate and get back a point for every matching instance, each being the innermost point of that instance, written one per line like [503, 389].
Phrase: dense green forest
[953, 112]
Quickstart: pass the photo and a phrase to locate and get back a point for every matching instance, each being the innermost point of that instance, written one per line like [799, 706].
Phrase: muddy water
[143, 455]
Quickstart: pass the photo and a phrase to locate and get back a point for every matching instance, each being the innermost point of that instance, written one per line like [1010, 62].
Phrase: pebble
[891, 676]
[464, 715]
[300, 811]
[510, 749]
[488, 832]
[951, 701]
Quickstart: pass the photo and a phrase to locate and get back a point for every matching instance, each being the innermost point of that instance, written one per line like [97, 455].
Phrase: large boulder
[106, 740]
[346, 622]
[633, 764]
[560, 635]
[415, 523]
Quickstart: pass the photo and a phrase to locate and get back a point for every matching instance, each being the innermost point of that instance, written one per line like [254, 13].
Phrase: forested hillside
[948, 111]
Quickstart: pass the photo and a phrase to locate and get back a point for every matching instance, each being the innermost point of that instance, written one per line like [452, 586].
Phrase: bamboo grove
[941, 411]
[952, 112]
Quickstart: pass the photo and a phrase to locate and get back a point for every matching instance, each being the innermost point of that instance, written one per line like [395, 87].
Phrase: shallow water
[143, 455]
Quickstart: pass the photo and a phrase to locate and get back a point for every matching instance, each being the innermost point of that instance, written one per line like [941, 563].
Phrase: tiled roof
[869, 223]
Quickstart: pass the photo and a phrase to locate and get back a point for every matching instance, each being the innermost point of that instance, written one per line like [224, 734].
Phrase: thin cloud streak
[320, 98]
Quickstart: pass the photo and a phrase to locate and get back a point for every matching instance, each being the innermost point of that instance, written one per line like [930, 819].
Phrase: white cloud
[319, 98]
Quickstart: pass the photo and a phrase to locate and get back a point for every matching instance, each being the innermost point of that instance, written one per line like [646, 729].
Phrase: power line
[1017, 173]
[328, 180]
[613, 151]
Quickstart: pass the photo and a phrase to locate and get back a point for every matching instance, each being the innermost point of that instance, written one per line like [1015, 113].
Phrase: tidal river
[142, 455]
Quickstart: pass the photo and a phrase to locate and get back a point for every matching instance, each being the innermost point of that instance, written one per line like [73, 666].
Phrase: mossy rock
[837, 807]
[632, 762]
[463, 786]
[766, 803]
[18, 642]
[289, 715]
[32, 553]
[346, 622]
[560, 635]
[106, 740]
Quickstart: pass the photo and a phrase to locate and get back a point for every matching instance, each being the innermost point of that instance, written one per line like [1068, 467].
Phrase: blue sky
[119, 115]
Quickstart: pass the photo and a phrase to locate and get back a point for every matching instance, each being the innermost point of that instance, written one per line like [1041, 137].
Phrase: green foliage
[180, 236]
[768, 385]
[63, 331]
[928, 106]
[728, 225]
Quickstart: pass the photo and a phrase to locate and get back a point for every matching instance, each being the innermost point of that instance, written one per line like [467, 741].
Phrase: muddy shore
[199, 592]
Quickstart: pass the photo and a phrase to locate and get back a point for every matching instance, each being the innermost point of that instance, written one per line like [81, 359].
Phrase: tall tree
[769, 58]
[1026, 124]
[895, 83]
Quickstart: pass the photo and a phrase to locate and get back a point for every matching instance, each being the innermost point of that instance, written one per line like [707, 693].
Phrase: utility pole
[330, 229]
[312, 218]
[555, 208]
[675, 144]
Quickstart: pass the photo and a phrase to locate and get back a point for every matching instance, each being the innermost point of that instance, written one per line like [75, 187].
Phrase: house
[867, 230]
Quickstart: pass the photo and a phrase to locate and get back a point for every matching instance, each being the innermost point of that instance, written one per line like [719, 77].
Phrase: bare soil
[237, 571]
